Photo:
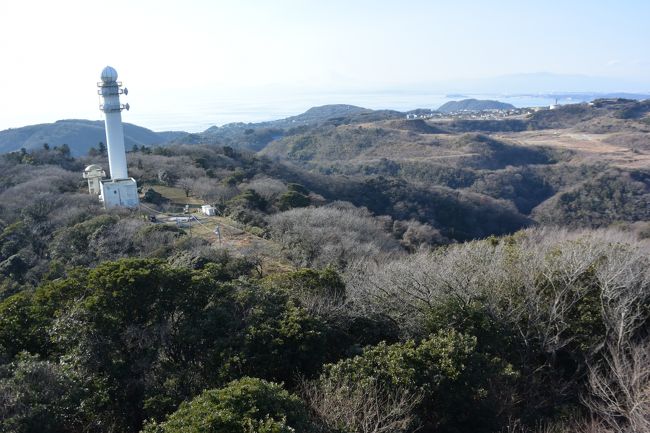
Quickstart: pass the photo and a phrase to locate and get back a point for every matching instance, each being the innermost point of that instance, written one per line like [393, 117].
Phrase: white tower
[120, 190]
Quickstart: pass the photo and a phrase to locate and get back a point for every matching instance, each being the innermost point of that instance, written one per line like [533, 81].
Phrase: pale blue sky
[178, 52]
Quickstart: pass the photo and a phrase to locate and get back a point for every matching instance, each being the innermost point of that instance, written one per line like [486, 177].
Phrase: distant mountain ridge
[474, 105]
[256, 136]
[324, 112]
[80, 135]
[313, 116]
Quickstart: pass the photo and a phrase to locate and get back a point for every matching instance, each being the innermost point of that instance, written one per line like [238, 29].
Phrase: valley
[452, 266]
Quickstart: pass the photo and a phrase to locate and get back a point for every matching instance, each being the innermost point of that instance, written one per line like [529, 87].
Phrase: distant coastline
[251, 109]
[198, 114]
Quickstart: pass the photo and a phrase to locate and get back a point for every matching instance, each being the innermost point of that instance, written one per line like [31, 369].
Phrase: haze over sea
[220, 110]
[195, 111]
[203, 63]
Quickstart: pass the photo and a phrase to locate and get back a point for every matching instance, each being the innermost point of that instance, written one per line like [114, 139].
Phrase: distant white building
[208, 210]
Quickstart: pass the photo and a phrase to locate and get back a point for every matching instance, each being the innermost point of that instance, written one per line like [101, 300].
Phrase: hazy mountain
[255, 136]
[314, 115]
[80, 135]
[324, 112]
[474, 105]
[168, 136]
[332, 113]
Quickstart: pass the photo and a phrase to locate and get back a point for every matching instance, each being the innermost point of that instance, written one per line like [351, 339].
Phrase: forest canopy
[362, 274]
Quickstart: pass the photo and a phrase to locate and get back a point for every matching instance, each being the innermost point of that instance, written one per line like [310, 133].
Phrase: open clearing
[589, 148]
[235, 240]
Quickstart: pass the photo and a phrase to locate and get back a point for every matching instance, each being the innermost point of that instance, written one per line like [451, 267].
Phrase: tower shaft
[110, 93]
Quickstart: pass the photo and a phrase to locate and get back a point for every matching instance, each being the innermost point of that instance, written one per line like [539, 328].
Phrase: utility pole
[217, 231]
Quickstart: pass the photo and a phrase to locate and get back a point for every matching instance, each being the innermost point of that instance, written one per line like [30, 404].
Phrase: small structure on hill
[208, 210]
[94, 173]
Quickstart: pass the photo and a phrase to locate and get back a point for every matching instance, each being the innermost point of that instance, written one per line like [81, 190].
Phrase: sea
[196, 111]
[198, 114]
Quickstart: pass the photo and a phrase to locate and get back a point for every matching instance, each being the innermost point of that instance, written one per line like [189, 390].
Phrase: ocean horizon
[195, 112]
[203, 114]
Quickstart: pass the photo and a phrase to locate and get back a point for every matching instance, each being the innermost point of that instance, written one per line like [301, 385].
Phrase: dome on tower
[93, 167]
[109, 75]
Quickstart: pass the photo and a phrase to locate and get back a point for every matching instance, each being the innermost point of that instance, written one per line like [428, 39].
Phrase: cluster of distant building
[492, 114]
[488, 114]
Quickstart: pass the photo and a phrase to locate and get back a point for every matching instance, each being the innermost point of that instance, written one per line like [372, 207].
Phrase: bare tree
[267, 187]
[186, 184]
[620, 384]
[213, 191]
[544, 268]
[361, 407]
[326, 235]
[535, 282]
[568, 426]
[620, 388]
[407, 288]
[415, 234]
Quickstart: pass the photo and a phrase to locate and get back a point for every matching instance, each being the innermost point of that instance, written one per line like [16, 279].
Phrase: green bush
[38, 397]
[445, 369]
[153, 196]
[71, 244]
[292, 199]
[19, 330]
[326, 282]
[148, 335]
[235, 178]
[282, 339]
[249, 199]
[248, 405]
[296, 187]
